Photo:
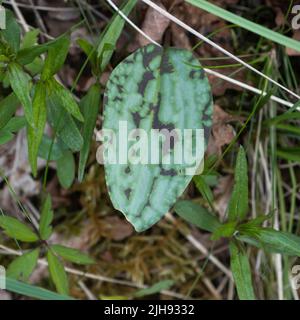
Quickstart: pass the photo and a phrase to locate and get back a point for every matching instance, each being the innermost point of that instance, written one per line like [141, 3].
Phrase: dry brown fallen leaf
[292, 52]
[154, 25]
[222, 131]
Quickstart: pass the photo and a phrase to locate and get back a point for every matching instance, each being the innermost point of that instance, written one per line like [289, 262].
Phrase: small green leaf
[66, 169]
[156, 288]
[45, 227]
[241, 271]
[64, 124]
[30, 38]
[279, 241]
[15, 124]
[90, 52]
[64, 98]
[56, 57]
[35, 133]
[112, 34]
[28, 290]
[11, 33]
[238, 203]
[57, 149]
[27, 55]
[197, 215]
[225, 230]
[17, 230]
[90, 107]
[72, 255]
[204, 189]
[8, 107]
[20, 82]
[22, 267]
[58, 274]
[5, 136]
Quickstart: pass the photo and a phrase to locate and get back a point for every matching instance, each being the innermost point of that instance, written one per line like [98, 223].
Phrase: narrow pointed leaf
[279, 241]
[196, 215]
[72, 255]
[45, 227]
[90, 108]
[35, 133]
[66, 169]
[241, 271]
[20, 83]
[22, 267]
[8, 107]
[65, 99]
[58, 274]
[56, 57]
[238, 203]
[17, 230]
[112, 34]
[11, 33]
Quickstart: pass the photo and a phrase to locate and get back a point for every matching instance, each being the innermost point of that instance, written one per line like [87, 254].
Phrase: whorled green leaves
[154, 88]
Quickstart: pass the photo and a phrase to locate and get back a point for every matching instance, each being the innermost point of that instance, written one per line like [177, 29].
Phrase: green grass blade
[33, 291]
[246, 24]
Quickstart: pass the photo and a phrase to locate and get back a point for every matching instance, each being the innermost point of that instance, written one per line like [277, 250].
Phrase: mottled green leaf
[197, 215]
[238, 203]
[154, 88]
[90, 108]
[58, 274]
[21, 84]
[45, 227]
[66, 169]
[22, 267]
[72, 255]
[35, 133]
[56, 57]
[17, 230]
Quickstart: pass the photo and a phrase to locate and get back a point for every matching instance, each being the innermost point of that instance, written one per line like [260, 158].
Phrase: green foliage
[197, 215]
[58, 274]
[66, 169]
[22, 267]
[28, 290]
[238, 204]
[46, 219]
[241, 271]
[238, 229]
[72, 255]
[90, 108]
[246, 24]
[17, 230]
[111, 35]
[35, 133]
